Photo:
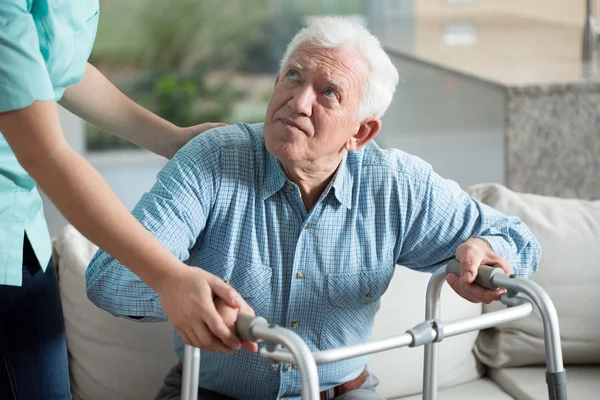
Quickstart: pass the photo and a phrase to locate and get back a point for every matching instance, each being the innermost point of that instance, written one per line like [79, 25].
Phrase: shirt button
[299, 275]
[282, 398]
[227, 282]
[288, 368]
[368, 296]
[294, 324]
[306, 226]
[290, 188]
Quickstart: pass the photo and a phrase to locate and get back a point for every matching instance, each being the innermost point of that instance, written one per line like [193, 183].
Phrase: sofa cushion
[529, 383]
[109, 357]
[466, 391]
[569, 232]
[400, 371]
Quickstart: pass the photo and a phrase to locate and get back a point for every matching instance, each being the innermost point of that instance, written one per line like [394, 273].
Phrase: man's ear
[367, 130]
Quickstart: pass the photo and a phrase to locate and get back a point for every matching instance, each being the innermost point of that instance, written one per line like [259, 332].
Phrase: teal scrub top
[44, 47]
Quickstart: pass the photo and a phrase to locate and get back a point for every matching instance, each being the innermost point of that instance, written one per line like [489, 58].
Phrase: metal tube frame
[407, 340]
[554, 360]
[429, 333]
[259, 329]
[191, 372]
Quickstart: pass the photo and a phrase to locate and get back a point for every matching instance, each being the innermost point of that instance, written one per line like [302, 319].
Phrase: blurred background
[500, 91]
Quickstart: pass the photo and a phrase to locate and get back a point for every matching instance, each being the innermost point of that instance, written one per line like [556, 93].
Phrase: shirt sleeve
[174, 211]
[446, 216]
[24, 77]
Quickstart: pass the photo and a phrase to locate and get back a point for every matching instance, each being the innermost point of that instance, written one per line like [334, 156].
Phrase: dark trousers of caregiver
[33, 347]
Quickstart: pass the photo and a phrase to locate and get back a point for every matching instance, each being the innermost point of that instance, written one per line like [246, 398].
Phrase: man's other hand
[471, 254]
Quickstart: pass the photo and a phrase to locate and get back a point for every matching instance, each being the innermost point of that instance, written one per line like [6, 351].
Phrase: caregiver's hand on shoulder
[188, 298]
[186, 134]
[471, 254]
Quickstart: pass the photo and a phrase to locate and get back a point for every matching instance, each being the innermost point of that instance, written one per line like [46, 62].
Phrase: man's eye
[330, 93]
[292, 74]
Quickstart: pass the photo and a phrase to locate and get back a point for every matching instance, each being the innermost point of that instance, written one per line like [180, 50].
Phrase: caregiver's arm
[82, 195]
[96, 100]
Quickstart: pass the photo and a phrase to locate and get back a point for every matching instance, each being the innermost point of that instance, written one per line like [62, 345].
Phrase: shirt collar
[342, 182]
[275, 177]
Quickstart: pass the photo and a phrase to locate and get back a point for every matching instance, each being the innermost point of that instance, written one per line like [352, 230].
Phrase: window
[194, 61]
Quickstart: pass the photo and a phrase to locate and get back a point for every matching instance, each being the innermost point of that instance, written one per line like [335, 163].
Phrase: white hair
[344, 34]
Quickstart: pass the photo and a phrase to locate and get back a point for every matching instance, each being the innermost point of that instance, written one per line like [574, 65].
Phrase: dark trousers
[33, 346]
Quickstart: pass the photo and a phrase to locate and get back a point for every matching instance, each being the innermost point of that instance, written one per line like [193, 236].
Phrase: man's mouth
[291, 123]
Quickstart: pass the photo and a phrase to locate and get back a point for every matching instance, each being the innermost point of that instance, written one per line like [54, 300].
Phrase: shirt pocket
[353, 299]
[253, 283]
[251, 280]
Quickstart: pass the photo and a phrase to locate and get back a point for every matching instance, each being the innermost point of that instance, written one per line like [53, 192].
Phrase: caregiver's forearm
[96, 100]
[81, 194]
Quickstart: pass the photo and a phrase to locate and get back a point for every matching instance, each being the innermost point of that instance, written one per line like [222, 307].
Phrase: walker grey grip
[484, 274]
[244, 325]
[557, 385]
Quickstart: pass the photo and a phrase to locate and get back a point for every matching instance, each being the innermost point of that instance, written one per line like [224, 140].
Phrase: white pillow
[569, 233]
[109, 357]
[400, 371]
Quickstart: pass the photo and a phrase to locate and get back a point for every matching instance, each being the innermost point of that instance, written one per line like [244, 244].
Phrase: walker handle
[245, 324]
[485, 274]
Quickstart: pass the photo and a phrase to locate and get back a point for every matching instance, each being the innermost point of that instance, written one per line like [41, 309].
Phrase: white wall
[453, 122]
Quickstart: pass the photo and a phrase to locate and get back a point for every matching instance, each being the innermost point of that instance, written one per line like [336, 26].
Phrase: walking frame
[283, 345]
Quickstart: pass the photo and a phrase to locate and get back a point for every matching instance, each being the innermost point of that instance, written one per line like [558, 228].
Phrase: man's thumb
[468, 271]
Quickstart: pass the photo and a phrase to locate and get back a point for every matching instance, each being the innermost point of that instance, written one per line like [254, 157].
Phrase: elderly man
[306, 218]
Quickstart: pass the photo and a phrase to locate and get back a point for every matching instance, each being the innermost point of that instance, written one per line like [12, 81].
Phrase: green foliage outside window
[179, 58]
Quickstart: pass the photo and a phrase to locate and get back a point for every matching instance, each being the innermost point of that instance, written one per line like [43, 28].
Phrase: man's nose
[302, 101]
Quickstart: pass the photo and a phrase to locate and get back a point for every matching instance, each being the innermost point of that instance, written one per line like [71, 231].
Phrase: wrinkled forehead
[340, 66]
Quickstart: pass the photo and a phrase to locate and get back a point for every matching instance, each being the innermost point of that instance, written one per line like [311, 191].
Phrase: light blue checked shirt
[223, 203]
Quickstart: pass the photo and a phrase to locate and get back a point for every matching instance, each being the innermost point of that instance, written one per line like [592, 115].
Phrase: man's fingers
[468, 270]
[481, 294]
[493, 295]
[250, 346]
[456, 285]
[471, 257]
[473, 292]
[498, 262]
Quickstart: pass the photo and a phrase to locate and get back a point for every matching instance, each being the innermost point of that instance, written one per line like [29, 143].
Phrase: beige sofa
[111, 358]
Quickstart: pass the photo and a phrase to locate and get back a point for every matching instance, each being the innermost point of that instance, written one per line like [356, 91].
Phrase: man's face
[312, 115]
